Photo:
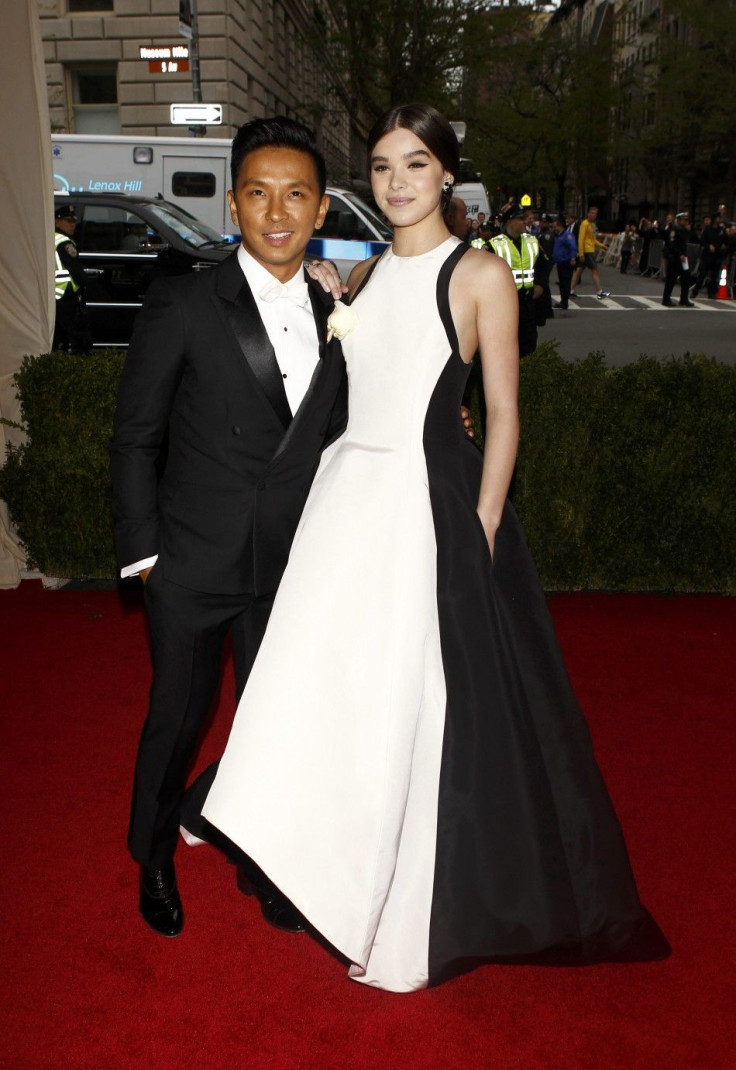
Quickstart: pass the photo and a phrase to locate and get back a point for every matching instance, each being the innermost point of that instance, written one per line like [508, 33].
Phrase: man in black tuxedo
[231, 367]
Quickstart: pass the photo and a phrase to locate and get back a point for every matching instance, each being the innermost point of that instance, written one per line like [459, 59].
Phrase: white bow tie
[297, 291]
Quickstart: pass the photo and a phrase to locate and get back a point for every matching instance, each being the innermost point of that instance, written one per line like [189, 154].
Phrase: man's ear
[233, 207]
[324, 204]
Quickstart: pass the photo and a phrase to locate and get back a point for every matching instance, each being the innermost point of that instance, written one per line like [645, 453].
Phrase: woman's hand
[326, 274]
[468, 421]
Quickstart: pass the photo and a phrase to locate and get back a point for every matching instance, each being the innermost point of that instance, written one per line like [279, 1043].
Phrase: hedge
[626, 477]
[57, 485]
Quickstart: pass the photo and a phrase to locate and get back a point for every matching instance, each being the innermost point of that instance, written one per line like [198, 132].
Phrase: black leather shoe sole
[275, 907]
[160, 905]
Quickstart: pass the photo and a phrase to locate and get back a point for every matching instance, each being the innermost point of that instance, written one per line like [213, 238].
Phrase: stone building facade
[257, 57]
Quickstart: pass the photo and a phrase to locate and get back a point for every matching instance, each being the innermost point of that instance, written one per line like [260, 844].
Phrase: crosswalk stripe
[646, 304]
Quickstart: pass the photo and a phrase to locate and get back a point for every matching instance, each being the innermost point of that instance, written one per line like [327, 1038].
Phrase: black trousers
[527, 326]
[625, 259]
[709, 270]
[66, 320]
[188, 632]
[564, 275]
[675, 270]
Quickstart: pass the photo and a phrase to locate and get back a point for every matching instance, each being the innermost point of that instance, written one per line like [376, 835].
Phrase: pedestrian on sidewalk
[587, 245]
[628, 245]
[564, 255]
[712, 249]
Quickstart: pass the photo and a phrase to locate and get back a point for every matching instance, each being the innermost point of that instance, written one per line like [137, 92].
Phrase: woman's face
[406, 177]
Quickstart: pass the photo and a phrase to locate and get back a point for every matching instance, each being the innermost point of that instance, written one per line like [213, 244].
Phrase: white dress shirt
[290, 326]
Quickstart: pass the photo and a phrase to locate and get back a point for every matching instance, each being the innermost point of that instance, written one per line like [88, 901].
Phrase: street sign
[196, 114]
[168, 66]
[186, 18]
[163, 52]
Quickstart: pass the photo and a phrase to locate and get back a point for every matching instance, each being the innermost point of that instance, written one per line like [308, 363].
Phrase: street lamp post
[195, 131]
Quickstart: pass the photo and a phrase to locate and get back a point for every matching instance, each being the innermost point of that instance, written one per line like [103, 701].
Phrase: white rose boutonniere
[341, 321]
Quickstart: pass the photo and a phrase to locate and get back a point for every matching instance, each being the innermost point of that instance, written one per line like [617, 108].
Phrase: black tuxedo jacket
[238, 468]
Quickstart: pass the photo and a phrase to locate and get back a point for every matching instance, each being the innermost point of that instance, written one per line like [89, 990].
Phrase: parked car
[124, 243]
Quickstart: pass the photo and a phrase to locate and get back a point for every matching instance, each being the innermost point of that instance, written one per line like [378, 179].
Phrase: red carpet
[87, 985]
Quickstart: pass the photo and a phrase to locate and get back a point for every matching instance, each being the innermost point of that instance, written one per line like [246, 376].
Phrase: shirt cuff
[137, 568]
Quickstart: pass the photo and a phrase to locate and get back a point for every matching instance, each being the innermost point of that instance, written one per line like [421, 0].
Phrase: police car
[123, 243]
[126, 241]
[351, 232]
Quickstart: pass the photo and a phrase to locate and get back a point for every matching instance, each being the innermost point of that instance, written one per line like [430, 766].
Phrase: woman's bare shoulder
[359, 273]
[481, 266]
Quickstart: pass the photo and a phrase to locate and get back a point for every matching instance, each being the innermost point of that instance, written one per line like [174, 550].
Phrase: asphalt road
[633, 321]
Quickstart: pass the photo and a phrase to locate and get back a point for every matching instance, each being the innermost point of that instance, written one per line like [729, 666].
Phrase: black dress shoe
[160, 903]
[686, 304]
[275, 907]
[668, 304]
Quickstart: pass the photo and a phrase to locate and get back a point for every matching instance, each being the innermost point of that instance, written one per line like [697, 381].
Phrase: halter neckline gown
[408, 763]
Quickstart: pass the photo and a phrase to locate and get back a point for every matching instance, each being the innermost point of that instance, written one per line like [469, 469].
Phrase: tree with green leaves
[537, 105]
[397, 52]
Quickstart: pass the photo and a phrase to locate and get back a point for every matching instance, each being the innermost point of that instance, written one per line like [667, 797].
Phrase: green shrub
[625, 478]
[57, 484]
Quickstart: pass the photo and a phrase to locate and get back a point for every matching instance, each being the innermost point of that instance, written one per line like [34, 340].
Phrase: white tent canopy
[26, 251]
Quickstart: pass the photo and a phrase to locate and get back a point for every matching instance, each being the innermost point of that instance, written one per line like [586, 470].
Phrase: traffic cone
[722, 294]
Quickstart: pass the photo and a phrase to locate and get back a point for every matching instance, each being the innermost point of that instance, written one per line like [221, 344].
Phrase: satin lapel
[322, 305]
[241, 313]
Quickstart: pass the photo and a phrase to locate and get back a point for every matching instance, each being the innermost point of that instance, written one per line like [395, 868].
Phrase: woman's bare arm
[485, 306]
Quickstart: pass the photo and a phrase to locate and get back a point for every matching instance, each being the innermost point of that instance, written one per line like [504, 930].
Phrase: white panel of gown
[330, 776]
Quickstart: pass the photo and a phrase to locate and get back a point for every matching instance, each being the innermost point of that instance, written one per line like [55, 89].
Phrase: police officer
[70, 329]
[530, 267]
[712, 254]
[675, 253]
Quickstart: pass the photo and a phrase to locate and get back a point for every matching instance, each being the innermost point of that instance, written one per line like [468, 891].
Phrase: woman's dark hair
[278, 132]
[431, 127]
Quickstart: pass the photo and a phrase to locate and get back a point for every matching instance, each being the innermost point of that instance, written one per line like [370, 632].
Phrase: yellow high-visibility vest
[62, 278]
[521, 263]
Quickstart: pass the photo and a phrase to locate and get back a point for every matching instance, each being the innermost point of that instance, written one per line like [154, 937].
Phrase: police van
[470, 188]
[194, 173]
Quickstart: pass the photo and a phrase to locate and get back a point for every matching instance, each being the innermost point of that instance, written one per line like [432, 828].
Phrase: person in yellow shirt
[587, 245]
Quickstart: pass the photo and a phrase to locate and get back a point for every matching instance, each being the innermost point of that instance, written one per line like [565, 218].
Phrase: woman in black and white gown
[408, 763]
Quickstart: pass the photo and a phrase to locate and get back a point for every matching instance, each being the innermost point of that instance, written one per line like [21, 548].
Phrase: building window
[86, 6]
[94, 97]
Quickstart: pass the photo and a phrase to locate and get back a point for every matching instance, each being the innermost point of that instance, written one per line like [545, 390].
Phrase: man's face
[456, 217]
[515, 227]
[481, 217]
[592, 215]
[66, 225]
[277, 205]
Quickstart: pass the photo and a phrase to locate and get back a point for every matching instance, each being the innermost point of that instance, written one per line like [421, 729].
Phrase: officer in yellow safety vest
[530, 268]
[70, 329]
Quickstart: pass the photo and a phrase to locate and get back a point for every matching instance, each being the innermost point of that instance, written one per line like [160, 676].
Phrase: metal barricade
[654, 260]
[693, 257]
[613, 255]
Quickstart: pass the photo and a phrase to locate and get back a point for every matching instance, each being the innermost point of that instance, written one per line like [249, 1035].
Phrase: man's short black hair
[279, 132]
